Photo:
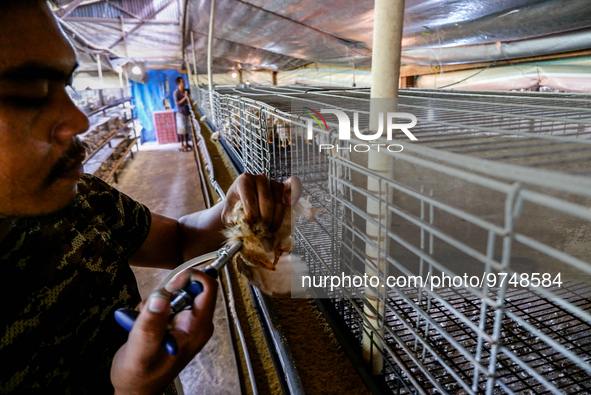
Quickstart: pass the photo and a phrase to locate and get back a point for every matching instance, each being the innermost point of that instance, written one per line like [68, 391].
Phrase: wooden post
[387, 37]
[407, 82]
[274, 78]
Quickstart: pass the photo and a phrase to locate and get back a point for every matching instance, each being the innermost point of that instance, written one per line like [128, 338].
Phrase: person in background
[67, 238]
[183, 122]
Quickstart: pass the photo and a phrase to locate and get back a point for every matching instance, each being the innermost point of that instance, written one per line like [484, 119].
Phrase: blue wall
[149, 97]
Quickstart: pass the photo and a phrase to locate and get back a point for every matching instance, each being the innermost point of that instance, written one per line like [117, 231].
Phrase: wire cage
[493, 198]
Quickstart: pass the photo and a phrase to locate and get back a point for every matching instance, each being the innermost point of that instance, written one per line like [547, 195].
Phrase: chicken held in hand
[260, 246]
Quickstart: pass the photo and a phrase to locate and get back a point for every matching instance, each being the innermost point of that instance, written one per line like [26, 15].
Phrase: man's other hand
[142, 366]
[264, 200]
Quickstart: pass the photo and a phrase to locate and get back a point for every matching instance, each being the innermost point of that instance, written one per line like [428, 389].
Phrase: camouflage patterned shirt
[63, 276]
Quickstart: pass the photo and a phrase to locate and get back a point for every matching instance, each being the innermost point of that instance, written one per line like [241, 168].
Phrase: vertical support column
[195, 71]
[387, 45]
[126, 52]
[274, 78]
[210, 59]
[123, 35]
[194, 59]
[353, 84]
[387, 37]
[99, 67]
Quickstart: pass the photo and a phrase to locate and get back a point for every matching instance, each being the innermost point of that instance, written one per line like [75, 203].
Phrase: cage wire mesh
[497, 188]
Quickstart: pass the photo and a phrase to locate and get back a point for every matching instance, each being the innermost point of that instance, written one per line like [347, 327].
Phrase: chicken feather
[261, 247]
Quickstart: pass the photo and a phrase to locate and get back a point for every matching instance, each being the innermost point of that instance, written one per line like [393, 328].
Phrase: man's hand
[142, 366]
[264, 200]
[170, 243]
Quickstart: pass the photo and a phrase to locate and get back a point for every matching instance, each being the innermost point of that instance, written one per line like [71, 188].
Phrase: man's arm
[172, 242]
[184, 99]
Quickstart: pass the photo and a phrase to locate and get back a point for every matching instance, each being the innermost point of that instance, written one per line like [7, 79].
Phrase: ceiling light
[119, 69]
[234, 75]
[136, 70]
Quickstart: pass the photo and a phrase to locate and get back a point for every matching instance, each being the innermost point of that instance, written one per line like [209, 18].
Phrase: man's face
[39, 162]
[182, 84]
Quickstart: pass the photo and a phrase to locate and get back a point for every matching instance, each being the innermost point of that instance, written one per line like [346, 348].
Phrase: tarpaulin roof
[285, 34]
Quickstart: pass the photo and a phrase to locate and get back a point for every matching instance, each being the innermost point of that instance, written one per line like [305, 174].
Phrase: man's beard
[75, 154]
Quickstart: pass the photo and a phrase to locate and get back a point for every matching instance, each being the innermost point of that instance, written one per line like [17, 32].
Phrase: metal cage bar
[496, 189]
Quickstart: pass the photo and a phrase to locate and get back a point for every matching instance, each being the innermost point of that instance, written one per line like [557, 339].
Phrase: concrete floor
[166, 180]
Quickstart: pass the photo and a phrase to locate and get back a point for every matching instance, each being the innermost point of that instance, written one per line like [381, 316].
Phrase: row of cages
[91, 100]
[460, 261]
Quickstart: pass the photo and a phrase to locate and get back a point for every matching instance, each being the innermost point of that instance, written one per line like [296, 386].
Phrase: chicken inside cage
[476, 237]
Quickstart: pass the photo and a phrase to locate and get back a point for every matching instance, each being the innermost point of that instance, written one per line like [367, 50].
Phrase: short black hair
[179, 79]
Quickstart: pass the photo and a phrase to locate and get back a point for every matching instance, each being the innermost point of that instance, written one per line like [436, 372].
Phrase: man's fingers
[204, 304]
[247, 190]
[279, 206]
[150, 326]
[206, 299]
[193, 328]
[292, 190]
[265, 202]
[198, 321]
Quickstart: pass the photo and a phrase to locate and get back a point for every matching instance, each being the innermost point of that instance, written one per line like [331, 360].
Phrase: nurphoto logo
[345, 129]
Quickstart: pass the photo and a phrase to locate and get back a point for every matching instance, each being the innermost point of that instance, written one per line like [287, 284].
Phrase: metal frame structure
[497, 187]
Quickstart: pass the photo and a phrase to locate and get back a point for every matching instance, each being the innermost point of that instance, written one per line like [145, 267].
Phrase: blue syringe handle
[126, 318]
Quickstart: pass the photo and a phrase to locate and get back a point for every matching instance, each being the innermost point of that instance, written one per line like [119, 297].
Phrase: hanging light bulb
[119, 69]
[234, 75]
[136, 70]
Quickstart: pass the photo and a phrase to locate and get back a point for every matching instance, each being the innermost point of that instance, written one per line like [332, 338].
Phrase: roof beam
[152, 15]
[124, 10]
[71, 7]
[126, 20]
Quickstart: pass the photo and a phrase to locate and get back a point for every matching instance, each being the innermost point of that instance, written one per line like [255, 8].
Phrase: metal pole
[194, 58]
[195, 71]
[100, 69]
[354, 84]
[209, 57]
[387, 37]
[126, 52]
[123, 35]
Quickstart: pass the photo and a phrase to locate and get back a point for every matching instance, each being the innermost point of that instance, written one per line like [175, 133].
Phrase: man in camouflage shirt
[67, 239]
